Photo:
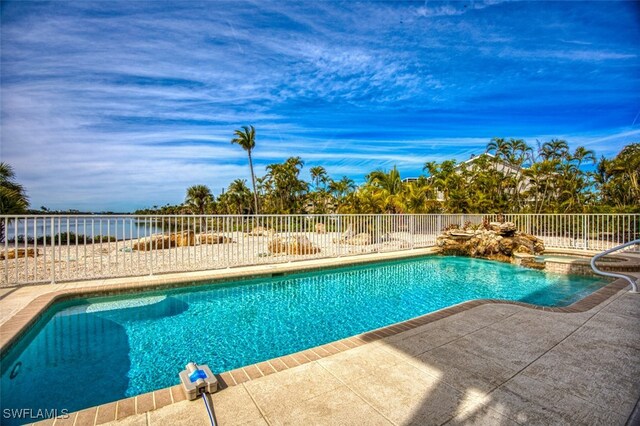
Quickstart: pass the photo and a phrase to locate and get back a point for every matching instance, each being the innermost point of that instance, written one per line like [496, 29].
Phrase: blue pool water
[92, 351]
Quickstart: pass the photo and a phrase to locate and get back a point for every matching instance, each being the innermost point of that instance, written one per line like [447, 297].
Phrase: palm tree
[318, 176]
[198, 199]
[13, 198]
[582, 154]
[246, 138]
[555, 149]
[237, 198]
[391, 181]
[499, 147]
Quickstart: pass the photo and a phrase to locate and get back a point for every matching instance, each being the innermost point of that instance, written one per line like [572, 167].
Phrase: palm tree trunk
[253, 181]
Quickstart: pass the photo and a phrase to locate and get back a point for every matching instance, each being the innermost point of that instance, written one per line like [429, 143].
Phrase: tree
[284, 190]
[318, 176]
[619, 179]
[555, 149]
[13, 197]
[198, 199]
[388, 189]
[236, 199]
[581, 154]
[341, 188]
[246, 138]
[499, 147]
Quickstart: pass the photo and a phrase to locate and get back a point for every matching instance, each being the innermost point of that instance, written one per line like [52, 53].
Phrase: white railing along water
[55, 248]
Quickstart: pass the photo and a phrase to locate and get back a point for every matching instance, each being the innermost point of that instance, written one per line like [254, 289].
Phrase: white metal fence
[42, 248]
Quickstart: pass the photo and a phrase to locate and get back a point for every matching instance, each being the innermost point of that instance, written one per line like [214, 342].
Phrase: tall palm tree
[246, 138]
[13, 198]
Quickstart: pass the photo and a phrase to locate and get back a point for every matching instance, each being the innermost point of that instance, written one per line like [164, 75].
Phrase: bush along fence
[44, 249]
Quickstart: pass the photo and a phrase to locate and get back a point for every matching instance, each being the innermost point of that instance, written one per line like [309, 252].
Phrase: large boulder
[506, 229]
[182, 239]
[260, 231]
[292, 245]
[212, 239]
[154, 242]
[165, 241]
[18, 253]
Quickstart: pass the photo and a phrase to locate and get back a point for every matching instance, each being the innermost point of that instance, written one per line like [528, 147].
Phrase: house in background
[500, 165]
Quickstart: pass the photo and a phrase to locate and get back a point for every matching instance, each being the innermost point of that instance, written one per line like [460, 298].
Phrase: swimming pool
[93, 351]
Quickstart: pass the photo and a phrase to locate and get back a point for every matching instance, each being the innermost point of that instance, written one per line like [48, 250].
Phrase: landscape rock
[292, 245]
[260, 231]
[154, 242]
[360, 240]
[495, 241]
[18, 253]
[212, 239]
[182, 239]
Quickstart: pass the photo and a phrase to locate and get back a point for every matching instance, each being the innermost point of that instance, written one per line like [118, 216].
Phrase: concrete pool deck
[491, 364]
[486, 363]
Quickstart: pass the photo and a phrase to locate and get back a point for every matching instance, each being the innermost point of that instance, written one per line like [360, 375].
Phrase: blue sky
[121, 105]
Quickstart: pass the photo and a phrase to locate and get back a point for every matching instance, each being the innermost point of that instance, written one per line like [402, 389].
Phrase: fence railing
[57, 248]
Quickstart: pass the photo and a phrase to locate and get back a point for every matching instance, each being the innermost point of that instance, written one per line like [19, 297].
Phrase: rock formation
[165, 241]
[495, 241]
[292, 245]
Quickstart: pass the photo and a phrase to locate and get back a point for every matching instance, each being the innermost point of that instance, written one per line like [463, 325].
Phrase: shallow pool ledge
[20, 307]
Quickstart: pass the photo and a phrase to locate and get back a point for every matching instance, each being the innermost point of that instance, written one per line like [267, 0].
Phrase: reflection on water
[74, 362]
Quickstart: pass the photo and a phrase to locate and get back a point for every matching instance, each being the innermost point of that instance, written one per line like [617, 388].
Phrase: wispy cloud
[124, 104]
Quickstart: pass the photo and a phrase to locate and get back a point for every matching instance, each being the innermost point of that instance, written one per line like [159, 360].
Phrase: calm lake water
[121, 228]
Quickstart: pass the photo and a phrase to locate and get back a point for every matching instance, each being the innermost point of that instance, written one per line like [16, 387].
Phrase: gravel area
[118, 259]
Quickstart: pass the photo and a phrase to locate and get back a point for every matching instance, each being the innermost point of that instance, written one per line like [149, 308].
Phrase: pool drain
[198, 380]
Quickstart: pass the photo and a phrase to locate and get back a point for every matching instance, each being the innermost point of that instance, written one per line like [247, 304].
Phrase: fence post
[53, 252]
[379, 234]
[412, 229]
[585, 231]
[150, 257]
[6, 248]
[339, 239]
